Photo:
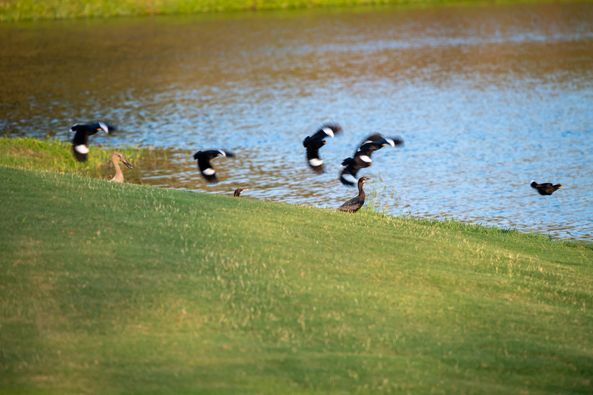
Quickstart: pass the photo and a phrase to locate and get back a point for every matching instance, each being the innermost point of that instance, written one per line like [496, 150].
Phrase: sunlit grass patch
[109, 288]
[56, 155]
[18, 10]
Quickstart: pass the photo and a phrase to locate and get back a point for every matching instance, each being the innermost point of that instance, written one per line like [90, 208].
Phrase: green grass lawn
[130, 289]
[17, 10]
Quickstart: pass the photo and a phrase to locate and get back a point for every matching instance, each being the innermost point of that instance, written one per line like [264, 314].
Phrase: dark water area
[487, 98]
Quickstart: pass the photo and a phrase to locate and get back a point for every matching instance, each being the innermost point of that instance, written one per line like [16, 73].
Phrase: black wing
[204, 158]
[80, 144]
[316, 141]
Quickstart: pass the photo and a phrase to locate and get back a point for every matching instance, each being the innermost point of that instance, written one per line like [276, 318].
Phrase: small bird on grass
[116, 158]
[354, 204]
[316, 141]
[80, 142]
[238, 191]
[362, 156]
[204, 158]
[545, 188]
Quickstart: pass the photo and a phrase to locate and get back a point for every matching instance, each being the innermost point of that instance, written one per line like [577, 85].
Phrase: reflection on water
[487, 99]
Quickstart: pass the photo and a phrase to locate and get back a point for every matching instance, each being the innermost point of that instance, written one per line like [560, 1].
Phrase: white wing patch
[390, 141]
[104, 127]
[209, 171]
[315, 162]
[328, 131]
[222, 153]
[365, 158]
[82, 149]
[349, 177]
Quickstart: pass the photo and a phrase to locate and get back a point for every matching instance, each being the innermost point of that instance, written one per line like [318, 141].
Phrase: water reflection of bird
[80, 142]
[545, 188]
[238, 191]
[316, 141]
[356, 202]
[362, 156]
[116, 158]
[204, 158]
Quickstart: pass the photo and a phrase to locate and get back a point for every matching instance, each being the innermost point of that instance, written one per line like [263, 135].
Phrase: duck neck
[119, 176]
[361, 194]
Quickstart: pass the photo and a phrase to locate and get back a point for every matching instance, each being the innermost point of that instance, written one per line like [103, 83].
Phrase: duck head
[116, 156]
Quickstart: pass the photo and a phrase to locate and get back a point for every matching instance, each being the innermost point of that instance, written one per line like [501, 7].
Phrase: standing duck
[204, 158]
[80, 142]
[116, 158]
[545, 188]
[316, 141]
[362, 156]
[354, 204]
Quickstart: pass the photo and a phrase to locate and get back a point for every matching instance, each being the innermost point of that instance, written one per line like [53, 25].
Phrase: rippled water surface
[487, 99]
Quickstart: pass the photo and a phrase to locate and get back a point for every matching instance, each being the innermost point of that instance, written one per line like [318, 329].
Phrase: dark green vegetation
[109, 288]
[15, 10]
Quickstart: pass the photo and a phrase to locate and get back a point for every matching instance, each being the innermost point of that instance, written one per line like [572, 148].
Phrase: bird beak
[128, 164]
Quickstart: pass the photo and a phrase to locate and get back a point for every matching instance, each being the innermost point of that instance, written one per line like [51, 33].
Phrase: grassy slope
[54, 155]
[129, 289]
[15, 10]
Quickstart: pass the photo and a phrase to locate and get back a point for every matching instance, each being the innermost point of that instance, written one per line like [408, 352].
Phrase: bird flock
[361, 159]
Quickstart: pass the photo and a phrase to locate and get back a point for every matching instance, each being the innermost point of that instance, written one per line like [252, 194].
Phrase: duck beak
[128, 164]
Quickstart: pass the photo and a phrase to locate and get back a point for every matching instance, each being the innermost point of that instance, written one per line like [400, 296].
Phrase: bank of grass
[55, 155]
[18, 10]
[113, 289]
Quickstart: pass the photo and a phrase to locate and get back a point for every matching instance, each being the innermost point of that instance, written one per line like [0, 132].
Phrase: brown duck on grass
[545, 188]
[238, 191]
[116, 158]
[357, 202]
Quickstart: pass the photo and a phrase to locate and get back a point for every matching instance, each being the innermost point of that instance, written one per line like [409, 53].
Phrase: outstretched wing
[204, 158]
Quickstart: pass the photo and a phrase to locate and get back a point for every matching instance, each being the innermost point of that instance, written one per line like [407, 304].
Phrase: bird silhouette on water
[354, 204]
[204, 158]
[80, 142]
[116, 158]
[239, 191]
[545, 188]
[316, 141]
[363, 156]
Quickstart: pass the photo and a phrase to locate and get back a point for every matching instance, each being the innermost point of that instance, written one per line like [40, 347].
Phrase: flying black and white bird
[354, 204]
[204, 158]
[362, 156]
[80, 142]
[545, 188]
[316, 141]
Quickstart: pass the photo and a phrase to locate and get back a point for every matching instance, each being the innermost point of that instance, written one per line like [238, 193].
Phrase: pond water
[487, 98]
